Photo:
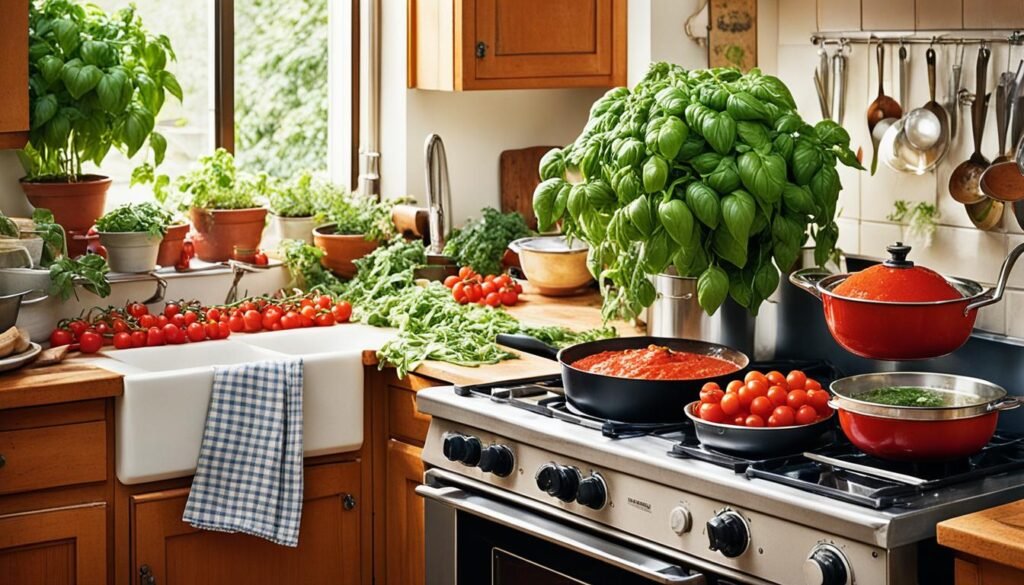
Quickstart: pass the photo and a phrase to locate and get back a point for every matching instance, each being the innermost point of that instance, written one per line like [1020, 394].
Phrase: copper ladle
[882, 108]
[965, 182]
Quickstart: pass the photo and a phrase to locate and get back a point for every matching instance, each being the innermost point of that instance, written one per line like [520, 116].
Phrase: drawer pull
[146, 576]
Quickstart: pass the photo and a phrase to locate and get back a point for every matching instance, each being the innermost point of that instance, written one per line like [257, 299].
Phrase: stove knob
[497, 459]
[558, 481]
[461, 448]
[727, 533]
[593, 492]
[680, 520]
[826, 566]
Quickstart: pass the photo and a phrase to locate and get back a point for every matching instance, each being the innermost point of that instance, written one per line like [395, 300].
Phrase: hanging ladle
[884, 108]
[1003, 181]
[964, 183]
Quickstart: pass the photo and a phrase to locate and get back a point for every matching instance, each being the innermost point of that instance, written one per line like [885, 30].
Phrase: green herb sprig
[136, 217]
[482, 243]
[89, 270]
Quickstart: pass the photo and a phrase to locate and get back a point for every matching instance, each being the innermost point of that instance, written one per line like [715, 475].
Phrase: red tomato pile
[491, 290]
[179, 322]
[771, 399]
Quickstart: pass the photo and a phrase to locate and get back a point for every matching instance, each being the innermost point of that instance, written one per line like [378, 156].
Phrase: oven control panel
[774, 549]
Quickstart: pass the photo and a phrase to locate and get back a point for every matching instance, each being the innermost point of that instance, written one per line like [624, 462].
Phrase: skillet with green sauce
[904, 396]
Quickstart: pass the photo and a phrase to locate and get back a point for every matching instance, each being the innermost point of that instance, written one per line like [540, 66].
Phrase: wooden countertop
[64, 382]
[996, 534]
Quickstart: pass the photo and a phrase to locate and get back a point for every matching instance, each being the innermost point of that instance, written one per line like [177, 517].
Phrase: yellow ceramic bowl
[553, 265]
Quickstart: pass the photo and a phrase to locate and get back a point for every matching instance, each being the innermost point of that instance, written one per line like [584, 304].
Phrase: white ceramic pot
[131, 251]
[287, 228]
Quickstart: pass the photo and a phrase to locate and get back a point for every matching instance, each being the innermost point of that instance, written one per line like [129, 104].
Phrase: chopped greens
[903, 396]
[482, 243]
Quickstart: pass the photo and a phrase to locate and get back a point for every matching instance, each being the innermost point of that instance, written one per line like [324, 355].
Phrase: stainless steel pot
[966, 397]
[676, 313]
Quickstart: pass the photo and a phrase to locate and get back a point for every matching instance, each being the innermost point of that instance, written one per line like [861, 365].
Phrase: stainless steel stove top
[668, 500]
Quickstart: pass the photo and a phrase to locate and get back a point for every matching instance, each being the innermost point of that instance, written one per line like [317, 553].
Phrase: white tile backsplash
[1014, 303]
[992, 318]
[797, 20]
[849, 236]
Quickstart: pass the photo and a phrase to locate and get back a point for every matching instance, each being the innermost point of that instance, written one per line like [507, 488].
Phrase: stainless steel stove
[521, 489]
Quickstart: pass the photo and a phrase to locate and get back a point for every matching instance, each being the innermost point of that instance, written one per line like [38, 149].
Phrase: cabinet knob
[2, 460]
[146, 576]
[348, 502]
[481, 50]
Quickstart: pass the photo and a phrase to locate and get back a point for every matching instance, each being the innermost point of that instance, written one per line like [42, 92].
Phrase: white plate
[14, 362]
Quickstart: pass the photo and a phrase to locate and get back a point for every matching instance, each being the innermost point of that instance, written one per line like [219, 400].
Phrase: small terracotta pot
[170, 246]
[341, 250]
[74, 205]
[219, 231]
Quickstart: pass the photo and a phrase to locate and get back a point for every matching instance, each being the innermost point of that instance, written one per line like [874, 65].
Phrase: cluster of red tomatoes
[135, 326]
[491, 290]
[772, 399]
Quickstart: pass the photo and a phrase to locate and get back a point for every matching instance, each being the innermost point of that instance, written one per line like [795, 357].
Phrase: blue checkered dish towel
[249, 475]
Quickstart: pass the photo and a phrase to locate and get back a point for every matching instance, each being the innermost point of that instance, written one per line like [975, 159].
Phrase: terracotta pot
[219, 231]
[170, 246]
[74, 205]
[341, 250]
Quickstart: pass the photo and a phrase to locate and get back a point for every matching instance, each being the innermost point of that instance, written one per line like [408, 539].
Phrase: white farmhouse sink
[162, 413]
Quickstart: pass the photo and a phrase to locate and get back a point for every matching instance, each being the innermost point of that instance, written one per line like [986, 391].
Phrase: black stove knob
[497, 459]
[593, 493]
[727, 533]
[461, 448]
[558, 481]
[826, 566]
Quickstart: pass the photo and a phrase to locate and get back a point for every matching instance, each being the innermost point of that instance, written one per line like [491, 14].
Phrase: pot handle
[1006, 403]
[808, 279]
[528, 344]
[35, 300]
[994, 295]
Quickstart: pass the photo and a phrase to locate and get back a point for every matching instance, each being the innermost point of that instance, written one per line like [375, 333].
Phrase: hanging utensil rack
[910, 38]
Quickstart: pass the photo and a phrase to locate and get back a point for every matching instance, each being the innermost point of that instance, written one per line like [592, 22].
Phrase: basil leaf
[788, 123]
[831, 134]
[763, 175]
[706, 163]
[740, 288]
[695, 115]
[691, 148]
[590, 166]
[629, 153]
[714, 97]
[743, 106]
[80, 79]
[729, 248]
[806, 161]
[544, 202]
[825, 243]
[43, 110]
[672, 100]
[786, 237]
[626, 185]
[738, 210]
[640, 216]
[726, 176]
[655, 174]
[577, 203]
[720, 132]
[654, 253]
[825, 187]
[666, 136]
[847, 157]
[552, 165]
[712, 288]
[766, 280]
[677, 220]
[50, 66]
[798, 199]
[771, 89]
[600, 195]
[752, 133]
[783, 144]
[703, 201]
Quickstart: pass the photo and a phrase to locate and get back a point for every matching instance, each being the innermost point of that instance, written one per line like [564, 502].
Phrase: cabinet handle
[146, 576]
[481, 50]
[348, 502]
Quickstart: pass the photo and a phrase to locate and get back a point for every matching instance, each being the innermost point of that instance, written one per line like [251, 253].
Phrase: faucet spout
[439, 195]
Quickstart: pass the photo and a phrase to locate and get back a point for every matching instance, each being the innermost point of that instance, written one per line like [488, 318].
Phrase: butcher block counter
[65, 382]
[989, 545]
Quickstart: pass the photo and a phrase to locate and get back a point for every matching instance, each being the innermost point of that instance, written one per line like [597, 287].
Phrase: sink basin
[161, 415]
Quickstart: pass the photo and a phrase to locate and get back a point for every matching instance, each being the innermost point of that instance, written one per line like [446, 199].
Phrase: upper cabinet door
[516, 44]
[13, 73]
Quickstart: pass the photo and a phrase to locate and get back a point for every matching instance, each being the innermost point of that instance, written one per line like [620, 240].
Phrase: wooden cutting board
[519, 177]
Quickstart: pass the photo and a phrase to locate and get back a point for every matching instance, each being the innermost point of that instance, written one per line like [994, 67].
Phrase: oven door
[477, 534]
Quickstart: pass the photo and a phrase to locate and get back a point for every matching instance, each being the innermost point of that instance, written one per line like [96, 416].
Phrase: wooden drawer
[405, 422]
[45, 457]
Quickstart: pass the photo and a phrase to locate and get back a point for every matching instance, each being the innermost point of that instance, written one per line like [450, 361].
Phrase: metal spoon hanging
[883, 108]
[964, 183]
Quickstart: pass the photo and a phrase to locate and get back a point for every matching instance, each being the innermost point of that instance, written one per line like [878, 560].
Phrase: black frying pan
[758, 441]
[628, 399]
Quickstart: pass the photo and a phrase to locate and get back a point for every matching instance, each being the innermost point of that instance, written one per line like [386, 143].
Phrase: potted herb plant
[224, 206]
[297, 207]
[132, 234]
[96, 82]
[358, 224]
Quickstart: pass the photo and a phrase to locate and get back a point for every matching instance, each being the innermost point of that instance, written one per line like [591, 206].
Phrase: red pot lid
[897, 280]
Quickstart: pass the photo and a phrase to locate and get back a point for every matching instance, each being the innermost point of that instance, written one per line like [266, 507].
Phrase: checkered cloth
[249, 475]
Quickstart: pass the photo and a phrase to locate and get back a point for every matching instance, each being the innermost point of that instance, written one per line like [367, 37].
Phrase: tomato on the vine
[324, 320]
[213, 314]
[341, 311]
[122, 340]
[171, 309]
[137, 310]
[155, 336]
[195, 332]
[138, 338]
[61, 337]
[77, 327]
[90, 342]
[146, 321]
[212, 329]
[291, 320]
[260, 259]
[253, 321]
[324, 301]
[190, 317]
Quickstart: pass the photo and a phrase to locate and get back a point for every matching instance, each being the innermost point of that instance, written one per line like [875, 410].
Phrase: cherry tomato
[247, 306]
[138, 338]
[137, 310]
[308, 311]
[746, 396]
[103, 329]
[162, 320]
[122, 340]
[812, 385]
[465, 272]
[195, 332]
[173, 334]
[271, 315]
[119, 326]
[734, 386]
[519, 287]
[711, 395]
[796, 398]
[775, 378]
[730, 404]
[324, 301]
[451, 280]
[754, 421]
[236, 323]
[709, 386]
[260, 259]
[324, 320]
[806, 415]
[213, 314]
[146, 321]
[758, 387]
[342, 311]
[761, 406]
[740, 420]
[171, 309]
[212, 329]
[155, 336]
[509, 297]
[459, 292]
[489, 278]
[253, 321]
[819, 400]
[488, 287]
[310, 303]
[225, 330]
[755, 375]
[90, 342]
[777, 394]
[61, 337]
[291, 320]
[474, 293]
[190, 317]
[796, 380]
[711, 413]
[276, 326]
[178, 320]
[78, 327]
[784, 417]
[492, 299]
[502, 280]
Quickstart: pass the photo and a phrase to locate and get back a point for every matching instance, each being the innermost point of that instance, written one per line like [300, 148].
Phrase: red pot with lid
[899, 311]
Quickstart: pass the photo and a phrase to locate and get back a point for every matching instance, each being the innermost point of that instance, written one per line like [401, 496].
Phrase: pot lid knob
[898, 256]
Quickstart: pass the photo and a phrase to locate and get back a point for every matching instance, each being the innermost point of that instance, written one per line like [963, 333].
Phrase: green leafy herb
[482, 243]
[306, 195]
[904, 396]
[135, 217]
[920, 218]
[89, 271]
[52, 234]
[360, 215]
[215, 183]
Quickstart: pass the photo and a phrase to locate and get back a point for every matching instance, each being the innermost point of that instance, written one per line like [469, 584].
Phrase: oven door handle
[585, 543]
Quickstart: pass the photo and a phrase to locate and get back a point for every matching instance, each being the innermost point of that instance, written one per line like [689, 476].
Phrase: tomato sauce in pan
[655, 363]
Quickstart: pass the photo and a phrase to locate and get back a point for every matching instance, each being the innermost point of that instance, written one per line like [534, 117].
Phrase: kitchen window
[274, 81]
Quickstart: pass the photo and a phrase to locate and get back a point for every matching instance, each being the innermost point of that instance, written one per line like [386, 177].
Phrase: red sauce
[655, 363]
[882, 283]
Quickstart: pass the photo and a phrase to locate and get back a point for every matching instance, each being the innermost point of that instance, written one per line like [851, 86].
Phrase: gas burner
[845, 473]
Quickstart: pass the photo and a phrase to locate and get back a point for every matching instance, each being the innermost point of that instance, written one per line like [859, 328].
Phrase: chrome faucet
[439, 193]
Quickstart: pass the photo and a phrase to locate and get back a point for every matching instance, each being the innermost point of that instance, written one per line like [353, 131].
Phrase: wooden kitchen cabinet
[838, 15]
[13, 73]
[55, 547]
[887, 15]
[457, 45]
[329, 550]
[404, 513]
[993, 14]
[939, 15]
